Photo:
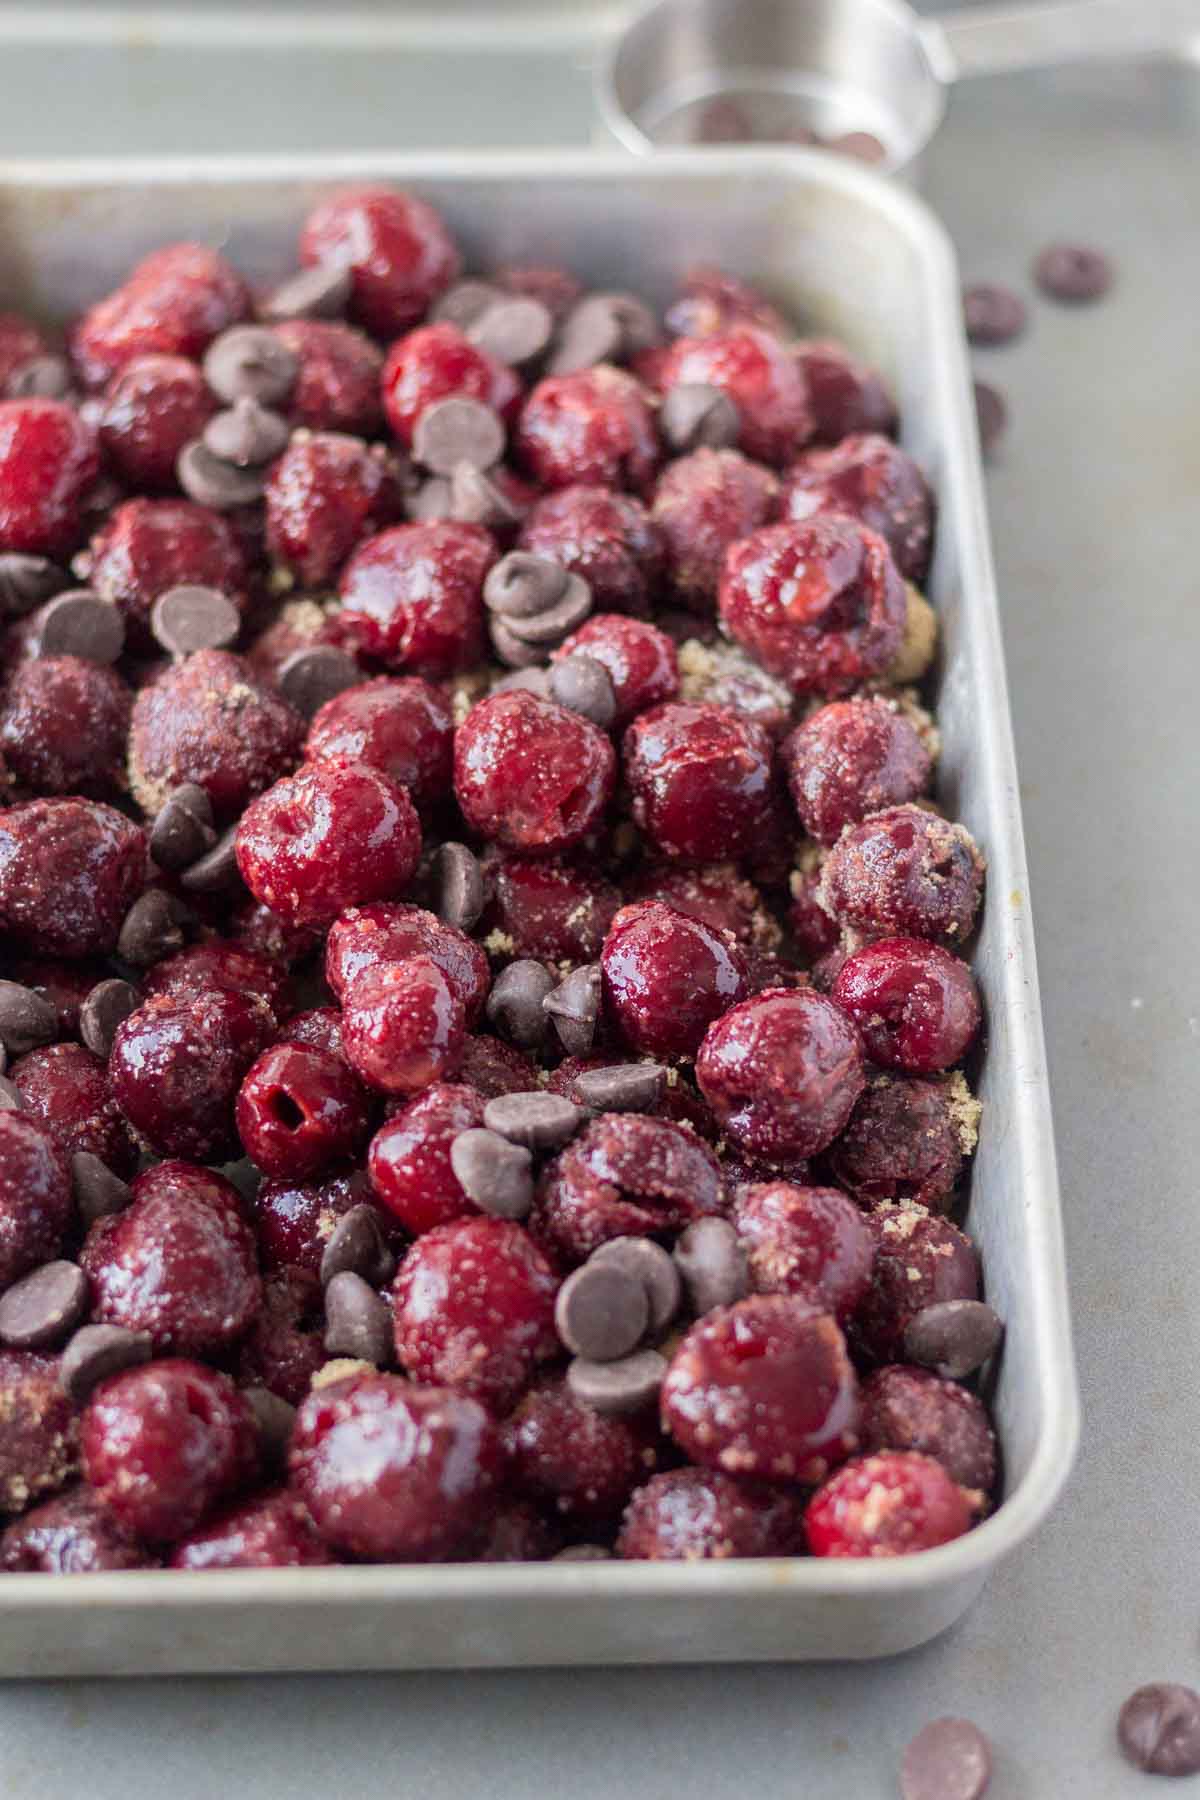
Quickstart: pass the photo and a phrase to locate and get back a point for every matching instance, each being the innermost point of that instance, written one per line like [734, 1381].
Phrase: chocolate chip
[546, 629]
[993, 314]
[625, 1087]
[991, 415]
[322, 292]
[27, 1019]
[513, 652]
[696, 414]
[455, 431]
[712, 1265]
[356, 1245]
[183, 829]
[357, 1322]
[953, 1337]
[211, 481]
[152, 929]
[534, 679]
[723, 121]
[41, 378]
[601, 1312]
[493, 1172]
[275, 1419]
[625, 1386]
[108, 1003]
[949, 1759]
[862, 146]
[604, 328]
[584, 686]
[79, 623]
[1073, 273]
[647, 1262]
[216, 872]
[460, 891]
[521, 585]
[43, 1308]
[308, 678]
[1159, 1729]
[98, 1192]
[583, 1553]
[476, 499]
[11, 1097]
[428, 500]
[574, 1008]
[251, 360]
[247, 434]
[27, 582]
[514, 1005]
[537, 1120]
[463, 303]
[190, 618]
[95, 1353]
[515, 329]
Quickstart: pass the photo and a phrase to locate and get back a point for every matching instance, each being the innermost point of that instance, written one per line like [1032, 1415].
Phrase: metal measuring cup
[849, 66]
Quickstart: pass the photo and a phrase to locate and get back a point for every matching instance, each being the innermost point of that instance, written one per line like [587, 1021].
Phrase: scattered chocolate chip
[1158, 1729]
[695, 415]
[537, 1120]
[647, 1262]
[712, 1265]
[949, 1759]
[108, 1003]
[428, 499]
[275, 1418]
[152, 929]
[584, 1553]
[356, 1245]
[585, 686]
[79, 623]
[603, 328]
[184, 828]
[545, 630]
[41, 378]
[357, 1322]
[625, 1087]
[11, 1097]
[601, 1311]
[493, 1172]
[513, 652]
[625, 1386]
[991, 415]
[308, 678]
[211, 481]
[475, 499]
[1073, 273]
[993, 314]
[521, 585]
[463, 303]
[863, 146]
[723, 121]
[98, 1192]
[216, 871]
[514, 1005]
[535, 678]
[460, 891]
[458, 430]
[43, 1308]
[98, 1351]
[27, 1019]
[251, 360]
[953, 1337]
[247, 434]
[515, 329]
[27, 582]
[190, 618]
[574, 1008]
[322, 292]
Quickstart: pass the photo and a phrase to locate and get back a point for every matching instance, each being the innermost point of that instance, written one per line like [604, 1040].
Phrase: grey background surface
[1095, 500]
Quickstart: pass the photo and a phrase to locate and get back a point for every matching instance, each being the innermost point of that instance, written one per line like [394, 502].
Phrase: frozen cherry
[782, 1071]
[593, 428]
[712, 300]
[63, 726]
[606, 538]
[337, 381]
[583, 1465]
[174, 302]
[69, 872]
[38, 1434]
[396, 248]
[667, 977]
[845, 394]
[530, 775]
[700, 777]
[20, 343]
[548, 909]
[919, 1260]
[299, 1110]
[913, 1409]
[146, 546]
[219, 963]
[703, 503]
[285, 1344]
[272, 1531]
[851, 758]
[409, 1159]
[177, 1063]
[255, 927]
[811, 1241]
[640, 659]
[295, 1221]
[905, 870]
[67, 1089]
[886, 1505]
[151, 409]
[625, 1175]
[69, 1535]
[492, 1068]
[689, 1515]
[761, 377]
[716, 895]
[325, 494]
[36, 1202]
[403, 727]
[916, 1006]
[518, 1532]
[412, 597]
[437, 362]
[404, 1025]
[906, 1140]
[48, 461]
[367, 937]
[871, 479]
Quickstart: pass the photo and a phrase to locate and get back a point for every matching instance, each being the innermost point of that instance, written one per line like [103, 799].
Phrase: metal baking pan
[847, 253]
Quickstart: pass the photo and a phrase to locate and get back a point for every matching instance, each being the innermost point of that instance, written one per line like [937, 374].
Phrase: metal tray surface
[852, 255]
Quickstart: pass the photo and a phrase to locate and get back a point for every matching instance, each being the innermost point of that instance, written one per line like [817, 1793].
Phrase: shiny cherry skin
[388, 931]
[153, 407]
[666, 977]
[548, 908]
[703, 503]
[299, 1110]
[412, 597]
[177, 1063]
[294, 1221]
[409, 1158]
[782, 1071]
[578, 1463]
[760, 376]
[811, 1241]
[146, 546]
[48, 461]
[888, 1504]
[337, 381]
[916, 1006]
[530, 775]
[846, 395]
[271, 1531]
[692, 1515]
[63, 726]
[403, 1026]
[851, 758]
[70, 869]
[71, 1534]
[402, 726]
[905, 871]
[324, 495]
[701, 780]
[868, 477]
[396, 247]
[172, 303]
[641, 661]
[625, 1175]
[438, 362]
[594, 428]
[36, 1202]
[67, 1090]
[606, 538]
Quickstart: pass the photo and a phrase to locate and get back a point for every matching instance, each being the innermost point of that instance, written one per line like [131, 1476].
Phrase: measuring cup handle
[990, 40]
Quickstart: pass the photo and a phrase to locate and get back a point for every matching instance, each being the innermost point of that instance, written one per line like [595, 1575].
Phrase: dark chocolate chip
[1158, 1729]
[11, 1097]
[428, 499]
[27, 1019]
[357, 1245]
[534, 678]
[712, 1265]
[322, 292]
[584, 1553]
[95, 1353]
[494, 1173]
[601, 1311]
[251, 360]
[516, 329]
[949, 1759]
[647, 1262]
[476, 499]
[108, 1003]
[43, 1308]
[625, 1087]
[604, 328]
[953, 1337]
[1074, 273]
[514, 1005]
[184, 828]
[357, 1322]
[625, 1386]
[513, 652]
[574, 1008]
[216, 872]
[455, 431]
[27, 582]
[697, 415]
[862, 146]
[308, 678]
[723, 121]
[79, 623]
[211, 481]
[460, 890]
[537, 1120]
[152, 929]
[463, 303]
[247, 434]
[98, 1192]
[41, 378]
[190, 618]
[547, 628]
[275, 1418]
[991, 415]
[993, 314]
[584, 686]
[521, 585]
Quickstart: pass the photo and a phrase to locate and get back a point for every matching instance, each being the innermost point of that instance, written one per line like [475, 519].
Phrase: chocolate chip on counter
[993, 314]
[712, 1265]
[463, 303]
[11, 1097]
[991, 415]
[458, 430]
[211, 481]
[190, 618]
[357, 1322]
[514, 1005]
[475, 499]
[862, 146]
[460, 890]
[308, 678]
[584, 1553]
[625, 1087]
[98, 1351]
[1158, 1729]
[108, 1003]
[585, 686]
[515, 329]
[275, 1418]
[603, 328]
[79, 623]
[493, 1172]
[949, 1759]
[697, 415]
[574, 1009]
[521, 585]
[183, 829]
[1073, 273]
[601, 1311]
[43, 1308]
[27, 582]
[322, 292]
[649, 1263]
[251, 360]
[41, 378]
[625, 1386]
[356, 1245]
[537, 1120]
[152, 929]
[27, 1019]
[953, 1337]
[247, 434]
[428, 500]
[98, 1192]
[216, 872]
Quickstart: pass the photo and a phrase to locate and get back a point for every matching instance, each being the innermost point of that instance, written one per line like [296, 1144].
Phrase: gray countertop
[1094, 500]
